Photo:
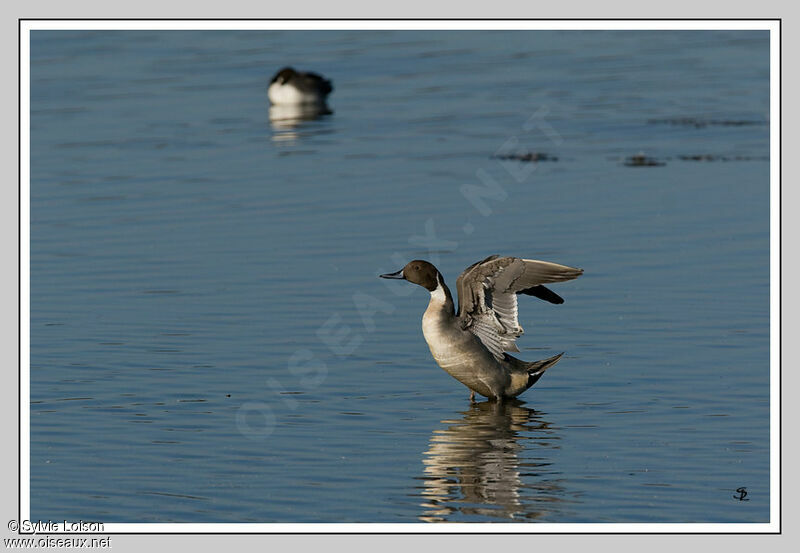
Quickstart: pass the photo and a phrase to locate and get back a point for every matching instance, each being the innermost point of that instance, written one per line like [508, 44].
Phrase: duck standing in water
[290, 87]
[471, 344]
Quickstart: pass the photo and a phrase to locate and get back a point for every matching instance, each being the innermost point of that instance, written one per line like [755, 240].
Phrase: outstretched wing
[487, 296]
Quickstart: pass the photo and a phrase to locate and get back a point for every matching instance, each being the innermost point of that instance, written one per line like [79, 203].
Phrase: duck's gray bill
[398, 274]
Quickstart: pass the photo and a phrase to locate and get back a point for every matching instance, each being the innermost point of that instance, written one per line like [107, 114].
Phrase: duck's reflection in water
[493, 463]
[285, 119]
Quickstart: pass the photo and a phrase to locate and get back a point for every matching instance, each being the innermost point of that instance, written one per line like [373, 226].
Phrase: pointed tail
[536, 369]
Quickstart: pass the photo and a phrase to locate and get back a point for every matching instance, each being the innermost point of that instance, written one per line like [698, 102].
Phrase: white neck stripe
[439, 294]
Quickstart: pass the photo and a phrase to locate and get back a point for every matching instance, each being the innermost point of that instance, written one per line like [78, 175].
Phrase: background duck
[290, 87]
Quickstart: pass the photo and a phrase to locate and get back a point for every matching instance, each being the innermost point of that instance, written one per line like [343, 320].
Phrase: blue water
[209, 338]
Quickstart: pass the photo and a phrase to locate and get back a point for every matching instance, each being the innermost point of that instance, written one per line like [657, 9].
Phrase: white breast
[289, 94]
[435, 337]
[438, 336]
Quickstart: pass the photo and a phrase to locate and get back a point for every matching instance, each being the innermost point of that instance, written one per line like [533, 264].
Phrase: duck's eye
[416, 267]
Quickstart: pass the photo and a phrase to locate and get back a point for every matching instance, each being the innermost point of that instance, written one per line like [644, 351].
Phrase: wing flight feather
[487, 296]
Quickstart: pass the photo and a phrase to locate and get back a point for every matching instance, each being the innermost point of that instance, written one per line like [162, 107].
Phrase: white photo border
[771, 25]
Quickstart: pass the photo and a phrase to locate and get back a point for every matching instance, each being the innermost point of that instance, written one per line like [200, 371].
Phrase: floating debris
[714, 157]
[700, 157]
[699, 123]
[534, 157]
[641, 160]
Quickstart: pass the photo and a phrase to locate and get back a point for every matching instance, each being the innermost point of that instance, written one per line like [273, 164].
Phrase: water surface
[209, 338]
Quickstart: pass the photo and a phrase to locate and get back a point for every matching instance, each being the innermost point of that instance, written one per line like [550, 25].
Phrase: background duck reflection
[285, 119]
[492, 463]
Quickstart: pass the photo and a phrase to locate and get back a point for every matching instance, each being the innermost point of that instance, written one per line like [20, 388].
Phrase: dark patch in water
[161, 291]
[641, 160]
[534, 157]
[714, 157]
[699, 123]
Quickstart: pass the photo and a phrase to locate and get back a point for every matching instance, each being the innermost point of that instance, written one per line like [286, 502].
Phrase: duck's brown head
[419, 272]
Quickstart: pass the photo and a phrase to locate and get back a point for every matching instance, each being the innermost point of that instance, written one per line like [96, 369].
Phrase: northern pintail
[471, 344]
[290, 87]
